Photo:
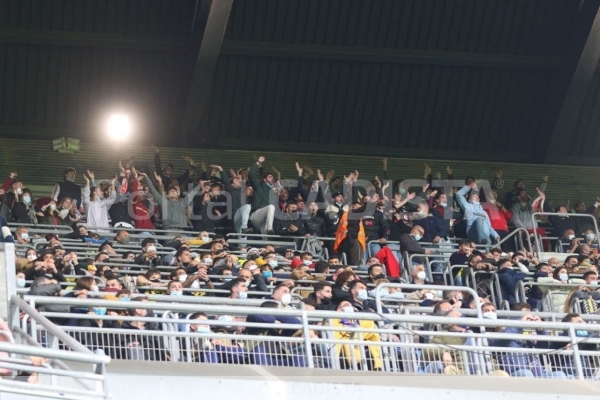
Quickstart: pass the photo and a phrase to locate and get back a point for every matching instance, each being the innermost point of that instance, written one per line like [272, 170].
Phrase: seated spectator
[479, 226]
[136, 344]
[410, 243]
[282, 294]
[212, 351]
[566, 363]
[499, 216]
[418, 277]
[591, 278]
[289, 223]
[460, 257]
[340, 288]
[482, 273]
[523, 364]
[360, 298]
[559, 295]
[564, 241]
[375, 272]
[322, 294]
[149, 256]
[349, 354]
[151, 278]
[238, 289]
[509, 279]
[543, 270]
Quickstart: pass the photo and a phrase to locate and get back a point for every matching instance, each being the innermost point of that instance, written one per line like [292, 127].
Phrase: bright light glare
[119, 126]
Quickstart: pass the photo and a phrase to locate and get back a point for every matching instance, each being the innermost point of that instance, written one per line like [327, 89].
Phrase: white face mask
[571, 237]
[243, 295]
[475, 203]
[286, 299]
[31, 257]
[205, 239]
[273, 263]
[348, 309]
[208, 261]
[422, 275]
[443, 205]
[151, 248]
[417, 237]
[21, 282]
[429, 296]
[490, 315]
[95, 288]
[183, 278]
[306, 262]
[590, 236]
[19, 190]
[563, 277]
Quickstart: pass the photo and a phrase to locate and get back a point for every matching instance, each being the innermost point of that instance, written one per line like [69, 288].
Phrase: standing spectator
[68, 188]
[96, 203]
[263, 212]
[509, 278]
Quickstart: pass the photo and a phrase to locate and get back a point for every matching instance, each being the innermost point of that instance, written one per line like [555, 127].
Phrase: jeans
[526, 373]
[477, 232]
[240, 219]
[262, 218]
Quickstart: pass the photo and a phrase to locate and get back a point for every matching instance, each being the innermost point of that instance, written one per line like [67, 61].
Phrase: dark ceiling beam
[90, 39]
[580, 63]
[206, 62]
[369, 54]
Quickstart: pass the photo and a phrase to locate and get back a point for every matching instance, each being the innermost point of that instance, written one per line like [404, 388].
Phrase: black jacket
[376, 227]
[282, 223]
[315, 224]
[69, 189]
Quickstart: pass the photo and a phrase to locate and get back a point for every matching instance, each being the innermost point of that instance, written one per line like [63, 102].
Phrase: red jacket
[142, 214]
[498, 218]
[386, 257]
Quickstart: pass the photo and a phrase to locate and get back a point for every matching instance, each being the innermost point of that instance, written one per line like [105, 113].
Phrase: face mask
[571, 237]
[429, 296]
[563, 277]
[267, 274]
[362, 295]
[402, 191]
[124, 241]
[228, 279]
[273, 263]
[25, 236]
[490, 315]
[348, 309]
[589, 236]
[439, 294]
[269, 184]
[26, 199]
[443, 205]
[99, 310]
[53, 207]
[208, 261]
[20, 282]
[475, 203]
[595, 283]
[417, 237]
[95, 288]
[421, 213]
[380, 276]
[203, 329]
[326, 300]
[242, 295]
[31, 257]
[286, 299]
[151, 248]
[247, 283]
[124, 299]
[19, 190]
[183, 278]
[460, 296]
[306, 262]
[205, 239]
[581, 332]
[383, 292]
[177, 293]
[422, 275]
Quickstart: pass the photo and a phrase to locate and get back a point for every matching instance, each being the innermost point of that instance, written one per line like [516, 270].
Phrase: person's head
[65, 203]
[358, 290]
[173, 192]
[176, 273]
[522, 195]
[442, 307]
[139, 312]
[572, 262]
[345, 306]
[69, 174]
[561, 274]
[246, 275]
[238, 289]
[268, 179]
[199, 325]
[174, 288]
[573, 318]
[418, 273]
[496, 253]
[30, 255]
[86, 282]
[553, 262]
[544, 267]
[474, 259]
[313, 208]
[453, 314]
[344, 278]
[569, 234]
[504, 263]
[322, 291]
[321, 267]
[488, 310]
[148, 244]
[216, 247]
[306, 258]
[523, 307]
[591, 278]
[124, 295]
[101, 258]
[22, 234]
[283, 194]
[464, 246]
[579, 207]
[417, 232]
[183, 255]
[153, 275]
[441, 200]
[474, 197]
[282, 293]
[375, 271]
[122, 237]
[16, 186]
[519, 184]
[106, 247]
[454, 296]
[334, 260]
[113, 283]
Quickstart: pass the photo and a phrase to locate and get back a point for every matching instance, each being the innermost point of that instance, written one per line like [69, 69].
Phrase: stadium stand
[246, 268]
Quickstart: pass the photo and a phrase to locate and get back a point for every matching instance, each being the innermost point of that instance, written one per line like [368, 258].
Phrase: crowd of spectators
[354, 235]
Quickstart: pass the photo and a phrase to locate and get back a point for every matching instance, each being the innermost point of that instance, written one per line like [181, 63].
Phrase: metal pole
[307, 342]
[576, 355]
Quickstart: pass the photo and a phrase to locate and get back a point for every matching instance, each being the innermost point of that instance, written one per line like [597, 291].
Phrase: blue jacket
[474, 211]
[432, 226]
[8, 238]
[508, 282]
[512, 362]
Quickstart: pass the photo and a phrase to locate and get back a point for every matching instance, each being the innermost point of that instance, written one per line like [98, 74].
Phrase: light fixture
[118, 127]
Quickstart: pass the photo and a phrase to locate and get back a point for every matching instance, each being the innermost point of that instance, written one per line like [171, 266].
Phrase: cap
[296, 262]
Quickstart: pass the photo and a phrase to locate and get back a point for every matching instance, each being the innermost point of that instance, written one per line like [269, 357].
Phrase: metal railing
[538, 238]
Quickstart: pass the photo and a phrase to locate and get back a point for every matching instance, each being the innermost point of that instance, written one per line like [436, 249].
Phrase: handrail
[538, 241]
[513, 233]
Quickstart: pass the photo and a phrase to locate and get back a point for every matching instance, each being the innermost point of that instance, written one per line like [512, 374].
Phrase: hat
[336, 193]
[123, 225]
[253, 250]
[169, 165]
[260, 262]
[91, 268]
[296, 262]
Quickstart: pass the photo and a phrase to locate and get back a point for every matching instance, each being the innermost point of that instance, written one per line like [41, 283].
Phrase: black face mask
[155, 280]
[380, 276]
[326, 300]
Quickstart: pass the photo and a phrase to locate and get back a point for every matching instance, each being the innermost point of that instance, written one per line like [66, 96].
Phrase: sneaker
[247, 231]
[270, 232]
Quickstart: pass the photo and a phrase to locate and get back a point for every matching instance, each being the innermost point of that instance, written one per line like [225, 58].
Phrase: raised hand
[425, 187]
[438, 176]
[278, 173]
[232, 173]
[13, 174]
[387, 184]
[216, 167]
[121, 167]
[308, 171]
[449, 170]
[112, 182]
[427, 170]
[499, 174]
[377, 182]
[299, 169]
[203, 166]
[134, 172]
[384, 161]
[411, 196]
[90, 174]
[157, 177]
[319, 175]
[330, 175]
[87, 181]
[545, 178]
[473, 186]
[433, 193]
[189, 160]
[156, 150]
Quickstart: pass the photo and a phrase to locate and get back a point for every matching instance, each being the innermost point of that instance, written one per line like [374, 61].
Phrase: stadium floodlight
[118, 127]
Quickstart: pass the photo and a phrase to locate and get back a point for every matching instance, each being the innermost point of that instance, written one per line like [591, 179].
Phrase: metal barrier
[538, 238]
[346, 341]
[42, 228]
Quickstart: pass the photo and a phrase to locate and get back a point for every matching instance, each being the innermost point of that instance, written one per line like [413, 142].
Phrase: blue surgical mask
[20, 282]
[124, 299]
[273, 263]
[267, 274]
[306, 262]
[589, 236]
[402, 191]
[243, 295]
[444, 205]
[563, 277]
[581, 332]
[26, 199]
[475, 203]
[362, 295]
[25, 235]
[99, 310]
[203, 329]
[177, 293]
[417, 237]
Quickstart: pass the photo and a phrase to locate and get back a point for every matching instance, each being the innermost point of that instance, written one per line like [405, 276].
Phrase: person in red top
[499, 217]
[141, 212]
